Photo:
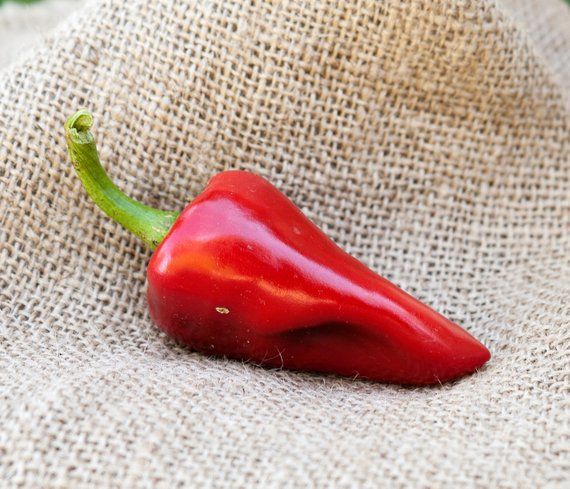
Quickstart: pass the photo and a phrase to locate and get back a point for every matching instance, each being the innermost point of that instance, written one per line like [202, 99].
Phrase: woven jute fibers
[429, 139]
[22, 25]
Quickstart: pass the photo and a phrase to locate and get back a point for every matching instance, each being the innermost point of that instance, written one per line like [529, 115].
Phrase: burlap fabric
[430, 139]
[24, 25]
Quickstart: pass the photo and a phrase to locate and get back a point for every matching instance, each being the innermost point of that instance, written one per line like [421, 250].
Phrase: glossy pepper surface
[242, 273]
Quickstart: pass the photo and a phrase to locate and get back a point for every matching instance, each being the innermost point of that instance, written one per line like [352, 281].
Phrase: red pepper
[242, 273]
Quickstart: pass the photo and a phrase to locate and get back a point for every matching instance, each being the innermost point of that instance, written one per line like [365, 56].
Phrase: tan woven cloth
[24, 25]
[430, 139]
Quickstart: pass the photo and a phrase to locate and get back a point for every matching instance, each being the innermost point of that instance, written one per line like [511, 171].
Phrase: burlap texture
[429, 139]
[24, 25]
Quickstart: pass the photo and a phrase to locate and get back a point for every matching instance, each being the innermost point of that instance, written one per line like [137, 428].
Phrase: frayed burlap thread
[429, 139]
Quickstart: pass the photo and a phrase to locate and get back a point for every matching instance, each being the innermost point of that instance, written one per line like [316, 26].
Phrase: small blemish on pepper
[222, 310]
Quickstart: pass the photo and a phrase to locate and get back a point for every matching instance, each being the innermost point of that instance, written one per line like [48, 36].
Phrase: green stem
[150, 225]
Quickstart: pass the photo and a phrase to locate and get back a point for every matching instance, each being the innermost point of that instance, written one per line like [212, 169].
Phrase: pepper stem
[150, 225]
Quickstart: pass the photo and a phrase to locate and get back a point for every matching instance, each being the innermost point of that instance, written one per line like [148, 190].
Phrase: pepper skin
[242, 273]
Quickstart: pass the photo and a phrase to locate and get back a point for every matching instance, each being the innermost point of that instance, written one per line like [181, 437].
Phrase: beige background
[24, 26]
[430, 139]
